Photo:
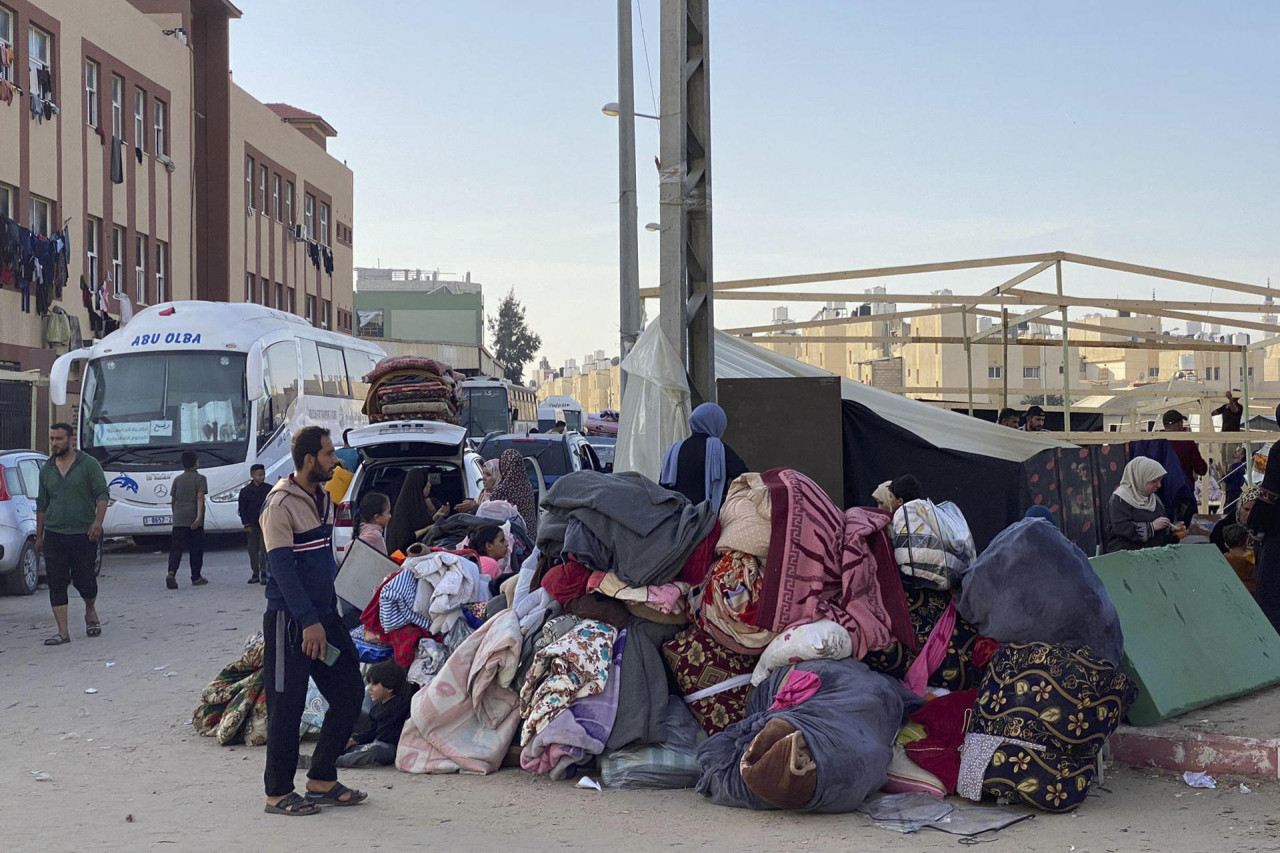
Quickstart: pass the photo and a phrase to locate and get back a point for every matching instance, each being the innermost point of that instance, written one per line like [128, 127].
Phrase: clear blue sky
[845, 135]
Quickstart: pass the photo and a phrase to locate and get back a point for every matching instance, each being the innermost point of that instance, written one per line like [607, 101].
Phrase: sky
[844, 135]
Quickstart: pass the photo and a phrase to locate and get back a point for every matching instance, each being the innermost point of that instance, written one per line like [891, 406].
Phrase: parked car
[20, 569]
[556, 455]
[389, 450]
[604, 445]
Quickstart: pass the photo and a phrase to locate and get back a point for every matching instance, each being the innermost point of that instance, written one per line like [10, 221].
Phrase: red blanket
[403, 640]
[828, 564]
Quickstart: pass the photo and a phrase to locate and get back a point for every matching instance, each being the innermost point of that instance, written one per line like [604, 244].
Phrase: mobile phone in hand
[331, 653]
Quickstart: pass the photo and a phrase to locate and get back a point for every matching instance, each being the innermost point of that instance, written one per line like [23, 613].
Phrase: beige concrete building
[121, 128]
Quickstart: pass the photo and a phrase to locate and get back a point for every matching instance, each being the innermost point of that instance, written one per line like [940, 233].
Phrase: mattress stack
[413, 387]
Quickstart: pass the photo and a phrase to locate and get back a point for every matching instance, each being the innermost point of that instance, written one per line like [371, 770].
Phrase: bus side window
[333, 368]
[359, 365]
[312, 383]
[280, 389]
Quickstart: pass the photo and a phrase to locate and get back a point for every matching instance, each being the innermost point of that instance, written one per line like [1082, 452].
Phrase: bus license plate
[156, 520]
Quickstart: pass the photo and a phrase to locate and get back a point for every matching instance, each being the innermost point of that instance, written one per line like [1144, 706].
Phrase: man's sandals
[333, 796]
[293, 806]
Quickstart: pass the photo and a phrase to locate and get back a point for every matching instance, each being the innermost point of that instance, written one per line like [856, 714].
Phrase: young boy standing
[391, 692]
[252, 497]
[186, 494]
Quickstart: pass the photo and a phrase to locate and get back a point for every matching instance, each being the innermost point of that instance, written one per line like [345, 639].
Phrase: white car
[389, 450]
[20, 569]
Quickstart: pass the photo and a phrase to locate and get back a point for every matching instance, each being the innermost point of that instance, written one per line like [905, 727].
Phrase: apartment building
[123, 134]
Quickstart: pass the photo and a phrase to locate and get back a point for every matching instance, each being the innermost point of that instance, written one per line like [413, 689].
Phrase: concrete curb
[1180, 750]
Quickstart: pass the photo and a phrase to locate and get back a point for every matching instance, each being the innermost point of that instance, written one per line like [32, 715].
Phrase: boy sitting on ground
[391, 692]
[1236, 538]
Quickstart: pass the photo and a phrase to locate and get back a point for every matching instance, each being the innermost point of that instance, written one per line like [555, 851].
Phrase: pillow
[905, 777]
[819, 640]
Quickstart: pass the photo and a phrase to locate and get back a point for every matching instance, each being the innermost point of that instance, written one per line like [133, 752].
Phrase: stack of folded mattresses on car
[413, 387]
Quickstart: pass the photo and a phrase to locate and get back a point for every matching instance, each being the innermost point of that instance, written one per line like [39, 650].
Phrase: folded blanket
[445, 583]
[573, 667]
[957, 670]
[714, 681]
[728, 599]
[746, 517]
[806, 538]
[466, 717]
[579, 731]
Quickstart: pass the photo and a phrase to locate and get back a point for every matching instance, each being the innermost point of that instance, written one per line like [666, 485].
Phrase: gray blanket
[649, 531]
[849, 726]
[642, 700]
[1032, 584]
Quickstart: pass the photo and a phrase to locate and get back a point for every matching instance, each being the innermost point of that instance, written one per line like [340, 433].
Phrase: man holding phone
[304, 634]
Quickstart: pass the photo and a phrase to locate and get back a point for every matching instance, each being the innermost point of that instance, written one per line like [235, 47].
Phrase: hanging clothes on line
[117, 160]
[328, 261]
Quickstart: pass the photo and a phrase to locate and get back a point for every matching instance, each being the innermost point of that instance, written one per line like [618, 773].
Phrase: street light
[652, 226]
[613, 110]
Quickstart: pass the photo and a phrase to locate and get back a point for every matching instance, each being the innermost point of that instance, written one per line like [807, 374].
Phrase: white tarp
[655, 407]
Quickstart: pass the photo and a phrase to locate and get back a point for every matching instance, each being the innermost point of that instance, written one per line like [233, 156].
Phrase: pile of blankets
[776, 655]
[414, 387]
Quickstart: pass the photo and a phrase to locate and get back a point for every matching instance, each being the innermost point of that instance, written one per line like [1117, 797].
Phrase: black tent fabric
[991, 493]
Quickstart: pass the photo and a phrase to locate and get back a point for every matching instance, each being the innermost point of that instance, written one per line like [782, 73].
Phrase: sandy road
[129, 774]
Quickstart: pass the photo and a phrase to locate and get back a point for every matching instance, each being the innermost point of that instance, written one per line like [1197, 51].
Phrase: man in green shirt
[70, 506]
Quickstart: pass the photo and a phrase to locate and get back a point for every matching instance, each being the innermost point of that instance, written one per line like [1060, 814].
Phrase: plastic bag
[655, 407]
[932, 542]
[669, 765]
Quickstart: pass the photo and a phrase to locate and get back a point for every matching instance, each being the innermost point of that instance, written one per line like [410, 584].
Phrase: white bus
[231, 381]
[497, 405]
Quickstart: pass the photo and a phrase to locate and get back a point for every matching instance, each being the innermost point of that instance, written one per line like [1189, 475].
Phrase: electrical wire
[648, 70]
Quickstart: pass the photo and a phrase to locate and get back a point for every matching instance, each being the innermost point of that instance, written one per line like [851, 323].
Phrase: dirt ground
[127, 772]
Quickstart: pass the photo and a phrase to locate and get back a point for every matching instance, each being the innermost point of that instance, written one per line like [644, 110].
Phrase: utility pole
[688, 318]
[628, 255]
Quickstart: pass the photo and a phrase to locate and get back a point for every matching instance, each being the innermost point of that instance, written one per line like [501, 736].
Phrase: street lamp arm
[613, 110]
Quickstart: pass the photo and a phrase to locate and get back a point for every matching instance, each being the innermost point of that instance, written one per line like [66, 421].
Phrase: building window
[7, 197]
[117, 259]
[309, 216]
[370, 323]
[161, 110]
[162, 271]
[40, 215]
[275, 197]
[40, 48]
[249, 280]
[993, 372]
[1153, 373]
[248, 183]
[91, 93]
[311, 310]
[93, 249]
[1059, 369]
[262, 189]
[288, 203]
[279, 300]
[1217, 373]
[264, 293]
[325, 313]
[6, 40]
[324, 223]
[292, 305]
[139, 119]
[1031, 372]
[117, 106]
[140, 267]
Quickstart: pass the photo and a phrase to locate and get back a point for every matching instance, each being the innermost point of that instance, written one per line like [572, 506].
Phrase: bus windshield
[141, 411]
[485, 410]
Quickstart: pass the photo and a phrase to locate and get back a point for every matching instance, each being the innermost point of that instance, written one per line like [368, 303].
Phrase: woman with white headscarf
[1136, 518]
[701, 467]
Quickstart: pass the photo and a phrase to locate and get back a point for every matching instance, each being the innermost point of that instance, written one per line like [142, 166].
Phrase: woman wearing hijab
[513, 487]
[491, 476]
[701, 467]
[1136, 518]
[413, 512]
[1262, 515]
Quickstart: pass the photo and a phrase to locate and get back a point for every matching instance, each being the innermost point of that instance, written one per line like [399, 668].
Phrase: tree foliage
[514, 344]
[1042, 400]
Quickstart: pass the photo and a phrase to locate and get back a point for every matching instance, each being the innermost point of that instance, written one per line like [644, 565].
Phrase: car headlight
[231, 494]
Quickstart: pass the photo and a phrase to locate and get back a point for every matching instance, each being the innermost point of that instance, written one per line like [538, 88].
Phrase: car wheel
[24, 579]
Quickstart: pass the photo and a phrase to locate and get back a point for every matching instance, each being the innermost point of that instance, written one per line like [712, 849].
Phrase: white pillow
[819, 640]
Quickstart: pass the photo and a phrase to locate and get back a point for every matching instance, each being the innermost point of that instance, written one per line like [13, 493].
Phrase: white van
[389, 450]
